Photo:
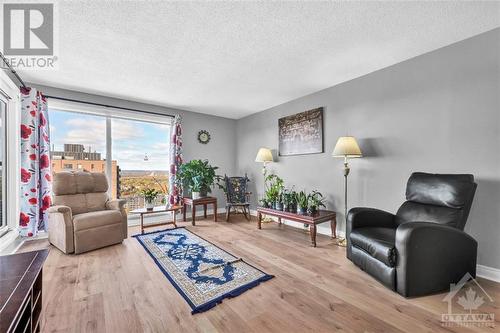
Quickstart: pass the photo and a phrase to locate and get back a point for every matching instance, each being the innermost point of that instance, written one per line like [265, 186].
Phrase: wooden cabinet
[21, 291]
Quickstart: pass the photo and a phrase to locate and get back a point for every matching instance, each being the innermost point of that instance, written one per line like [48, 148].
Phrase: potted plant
[302, 202]
[274, 188]
[289, 200]
[316, 200]
[198, 176]
[286, 200]
[279, 201]
[271, 199]
[293, 202]
[150, 196]
[264, 203]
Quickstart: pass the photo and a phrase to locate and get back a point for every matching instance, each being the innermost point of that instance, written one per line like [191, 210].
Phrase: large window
[78, 141]
[140, 151]
[130, 148]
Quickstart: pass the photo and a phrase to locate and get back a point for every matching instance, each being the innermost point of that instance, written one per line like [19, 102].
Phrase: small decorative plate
[203, 136]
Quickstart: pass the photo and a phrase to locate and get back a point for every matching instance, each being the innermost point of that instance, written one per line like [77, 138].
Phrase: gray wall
[438, 112]
[220, 151]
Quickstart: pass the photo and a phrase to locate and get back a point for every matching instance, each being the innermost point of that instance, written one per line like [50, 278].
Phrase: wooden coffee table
[187, 201]
[160, 209]
[312, 220]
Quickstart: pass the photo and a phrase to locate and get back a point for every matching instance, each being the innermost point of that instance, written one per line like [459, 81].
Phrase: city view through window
[139, 152]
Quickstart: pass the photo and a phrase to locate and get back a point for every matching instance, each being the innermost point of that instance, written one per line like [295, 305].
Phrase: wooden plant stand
[197, 202]
[320, 216]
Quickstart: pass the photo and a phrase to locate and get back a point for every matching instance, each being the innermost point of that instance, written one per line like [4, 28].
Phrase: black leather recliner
[423, 248]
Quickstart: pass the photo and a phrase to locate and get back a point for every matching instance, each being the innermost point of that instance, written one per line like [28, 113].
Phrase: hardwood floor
[120, 289]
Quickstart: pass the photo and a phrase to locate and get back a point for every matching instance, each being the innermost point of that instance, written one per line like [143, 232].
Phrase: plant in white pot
[199, 176]
[150, 196]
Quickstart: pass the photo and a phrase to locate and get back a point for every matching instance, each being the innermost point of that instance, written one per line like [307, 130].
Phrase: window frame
[108, 113]
[3, 165]
[9, 92]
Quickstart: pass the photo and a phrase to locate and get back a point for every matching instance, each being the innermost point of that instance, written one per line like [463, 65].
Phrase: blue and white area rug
[201, 272]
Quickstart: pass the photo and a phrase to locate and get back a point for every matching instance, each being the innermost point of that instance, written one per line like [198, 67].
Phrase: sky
[131, 140]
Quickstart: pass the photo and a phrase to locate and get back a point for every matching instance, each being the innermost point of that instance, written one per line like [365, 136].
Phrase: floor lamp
[346, 147]
[264, 156]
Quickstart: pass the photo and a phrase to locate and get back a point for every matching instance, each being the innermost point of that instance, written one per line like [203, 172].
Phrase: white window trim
[109, 155]
[111, 112]
[13, 156]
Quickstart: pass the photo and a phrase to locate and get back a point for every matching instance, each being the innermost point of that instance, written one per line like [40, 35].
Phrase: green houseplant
[293, 201]
[264, 203]
[315, 201]
[279, 201]
[198, 176]
[150, 196]
[289, 200]
[302, 202]
[286, 200]
[274, 189]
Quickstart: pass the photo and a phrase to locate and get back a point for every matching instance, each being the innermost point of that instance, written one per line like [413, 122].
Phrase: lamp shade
[264, 155]
[347, 147]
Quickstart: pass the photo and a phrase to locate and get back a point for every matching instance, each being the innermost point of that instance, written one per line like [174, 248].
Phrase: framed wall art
[301, 133]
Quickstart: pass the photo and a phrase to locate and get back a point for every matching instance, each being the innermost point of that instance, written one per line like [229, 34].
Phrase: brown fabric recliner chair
[83, 217]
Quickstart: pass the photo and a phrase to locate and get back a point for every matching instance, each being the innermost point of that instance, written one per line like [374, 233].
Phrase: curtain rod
[12, 70]
[108, 106]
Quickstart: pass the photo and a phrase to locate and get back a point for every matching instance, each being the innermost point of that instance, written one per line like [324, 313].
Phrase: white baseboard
[489, 273]
[485, 272]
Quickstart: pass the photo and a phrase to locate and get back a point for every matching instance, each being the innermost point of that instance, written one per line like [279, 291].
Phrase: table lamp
[346, 147]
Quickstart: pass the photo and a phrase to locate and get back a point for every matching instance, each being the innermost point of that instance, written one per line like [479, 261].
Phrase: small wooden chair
[237, 195]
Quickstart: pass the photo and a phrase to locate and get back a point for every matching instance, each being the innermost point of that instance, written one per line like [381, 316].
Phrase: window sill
[10, 242]
[3, 231]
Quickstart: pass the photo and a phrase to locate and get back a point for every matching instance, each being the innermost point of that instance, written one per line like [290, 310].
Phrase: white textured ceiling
[235, 58]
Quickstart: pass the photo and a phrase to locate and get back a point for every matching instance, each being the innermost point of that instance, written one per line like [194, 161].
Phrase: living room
[250, 166]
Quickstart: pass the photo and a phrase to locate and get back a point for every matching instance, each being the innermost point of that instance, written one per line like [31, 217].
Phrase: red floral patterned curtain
[36, 176]
[174, 183]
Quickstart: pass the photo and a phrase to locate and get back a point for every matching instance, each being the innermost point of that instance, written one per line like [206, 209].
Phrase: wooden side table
[197, 202]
